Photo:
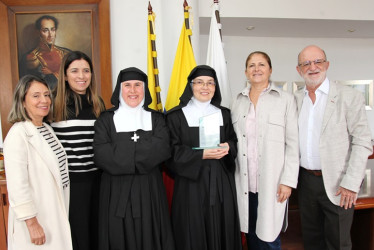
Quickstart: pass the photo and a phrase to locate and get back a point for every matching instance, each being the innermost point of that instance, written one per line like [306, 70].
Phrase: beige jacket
[35, 189]
[278, 157]
[345, 141]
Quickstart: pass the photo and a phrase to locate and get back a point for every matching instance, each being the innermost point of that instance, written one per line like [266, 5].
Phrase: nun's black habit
[133, 206]
[204, 207]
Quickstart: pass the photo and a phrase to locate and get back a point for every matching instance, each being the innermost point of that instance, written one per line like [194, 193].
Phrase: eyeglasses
[317, 62]
[201, 83]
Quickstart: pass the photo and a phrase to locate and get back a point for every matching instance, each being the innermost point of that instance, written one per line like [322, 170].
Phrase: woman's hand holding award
[209, 137]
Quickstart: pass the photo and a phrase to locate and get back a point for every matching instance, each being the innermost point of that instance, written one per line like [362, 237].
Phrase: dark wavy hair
[63, 92]
[38, 22]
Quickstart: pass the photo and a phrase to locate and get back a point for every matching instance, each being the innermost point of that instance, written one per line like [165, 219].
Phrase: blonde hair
[18, 113]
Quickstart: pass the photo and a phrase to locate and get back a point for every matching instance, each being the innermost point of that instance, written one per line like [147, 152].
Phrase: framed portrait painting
[38, 33]
[44, 38]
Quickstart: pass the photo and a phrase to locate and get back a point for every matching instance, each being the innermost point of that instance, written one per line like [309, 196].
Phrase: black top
[204, 209]
[133, 205]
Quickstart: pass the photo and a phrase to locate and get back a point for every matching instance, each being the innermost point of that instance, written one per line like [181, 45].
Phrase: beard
[313, 82]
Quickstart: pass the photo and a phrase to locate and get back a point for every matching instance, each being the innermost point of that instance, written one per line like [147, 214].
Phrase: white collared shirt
[310, 124]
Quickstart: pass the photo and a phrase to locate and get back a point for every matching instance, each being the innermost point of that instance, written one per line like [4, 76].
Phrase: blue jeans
[253, 242]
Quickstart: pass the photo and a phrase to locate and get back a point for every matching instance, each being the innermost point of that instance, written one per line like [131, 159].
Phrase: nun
[131, 142]
[204, 208]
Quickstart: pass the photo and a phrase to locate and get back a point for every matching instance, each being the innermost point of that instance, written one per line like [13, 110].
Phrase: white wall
[318, 9]
[350, 59]
[129, 35]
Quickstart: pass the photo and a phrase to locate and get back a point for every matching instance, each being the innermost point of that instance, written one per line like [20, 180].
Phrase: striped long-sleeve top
[76, 135]
[59, 151]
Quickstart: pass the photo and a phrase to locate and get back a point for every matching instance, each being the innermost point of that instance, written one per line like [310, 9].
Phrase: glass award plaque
[209, 131]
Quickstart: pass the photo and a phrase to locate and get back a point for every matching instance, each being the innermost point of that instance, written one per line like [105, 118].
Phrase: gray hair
[18, 112]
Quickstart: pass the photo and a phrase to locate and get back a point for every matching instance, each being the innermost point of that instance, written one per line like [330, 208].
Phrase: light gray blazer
[345, 141]
[278, 157]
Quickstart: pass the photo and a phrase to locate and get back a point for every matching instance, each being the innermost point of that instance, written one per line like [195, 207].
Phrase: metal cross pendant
[135, 137]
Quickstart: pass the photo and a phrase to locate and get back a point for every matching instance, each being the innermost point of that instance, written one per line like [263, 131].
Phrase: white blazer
[345, 140]
[278, 158]
[35, 189]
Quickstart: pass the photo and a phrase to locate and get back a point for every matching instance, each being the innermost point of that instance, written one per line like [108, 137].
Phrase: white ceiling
[283, 27]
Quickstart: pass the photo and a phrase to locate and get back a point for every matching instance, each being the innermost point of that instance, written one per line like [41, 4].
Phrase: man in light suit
[335, 142]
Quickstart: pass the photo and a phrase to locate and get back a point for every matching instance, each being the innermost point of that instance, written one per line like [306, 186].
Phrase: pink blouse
[252, 148]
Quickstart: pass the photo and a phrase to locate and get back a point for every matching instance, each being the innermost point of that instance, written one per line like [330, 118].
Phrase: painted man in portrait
[44, 60]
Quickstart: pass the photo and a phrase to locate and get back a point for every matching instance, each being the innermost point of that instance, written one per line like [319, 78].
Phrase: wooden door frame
[9, 68]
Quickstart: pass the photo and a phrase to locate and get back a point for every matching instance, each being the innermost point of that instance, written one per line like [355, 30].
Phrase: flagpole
[186, 19]
[154, 57]
[218, 17]
[184, 62]
[216, 55]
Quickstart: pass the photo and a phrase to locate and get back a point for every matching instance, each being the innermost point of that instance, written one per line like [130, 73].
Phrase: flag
[153, 80]
[184, 62]
[216, 58]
